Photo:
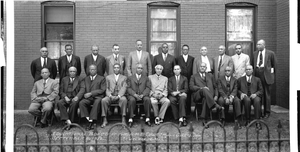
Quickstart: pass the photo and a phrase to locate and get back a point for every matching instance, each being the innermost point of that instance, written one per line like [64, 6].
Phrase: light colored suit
[240, 62]
[226, 61]
[110, 61]
[133, 61]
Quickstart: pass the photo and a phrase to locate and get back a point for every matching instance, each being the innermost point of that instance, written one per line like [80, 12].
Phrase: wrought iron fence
[168, 137]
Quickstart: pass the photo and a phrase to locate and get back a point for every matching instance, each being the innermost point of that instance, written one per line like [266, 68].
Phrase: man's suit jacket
[240, 62]
[198, 61]
[168, 64]
[142, 86]
[182, 84]
[270, 62]
[186, 67]
[36, 68]
[64, 65]
[100, 63]
[110, 61]
[256, 86]
[96, 87]
[78, 87]
[133, 61]
[222, 87]
[51, 88]
[197, 83]
[226, 61]
[111, 83]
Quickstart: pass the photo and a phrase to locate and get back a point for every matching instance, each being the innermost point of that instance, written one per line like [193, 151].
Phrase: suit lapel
[75, 83]
[135, 79]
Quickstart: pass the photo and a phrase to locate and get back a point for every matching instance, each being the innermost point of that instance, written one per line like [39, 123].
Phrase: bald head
[261, 44]
[72, 71]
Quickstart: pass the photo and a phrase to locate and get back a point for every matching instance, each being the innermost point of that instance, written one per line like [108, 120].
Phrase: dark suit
[110, 61]
[227, 89]
[255, 87]
[64, 65]
[71, 90]
[36, 67]
[100, 63]
[168, 64]
[182, 87]
[139, 87]
[187, 71]
[200, 94]
[198, 61]
[97, 88]
[226, 61]
[267, 78]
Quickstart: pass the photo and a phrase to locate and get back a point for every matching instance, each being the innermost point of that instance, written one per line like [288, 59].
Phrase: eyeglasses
[164, 47]
[238, 48]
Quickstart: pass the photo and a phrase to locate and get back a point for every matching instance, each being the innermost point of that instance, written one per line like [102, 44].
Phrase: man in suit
[185, 61]
[221, 62]
[96, 59]
[94, 85]
[138, 89]
[71, 91]
[240, 61]
[115, 58]
[264, 62]
[43, 95]
[166, 60]
[139, 57]
[68, 60]
[115, 93]
[227, 90]
[178, 89]
[202, 85]
[158, 93]
[203, 58]
[43, 62]
[250, 91]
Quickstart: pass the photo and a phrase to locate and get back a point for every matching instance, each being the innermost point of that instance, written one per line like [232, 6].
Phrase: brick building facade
[199, 22]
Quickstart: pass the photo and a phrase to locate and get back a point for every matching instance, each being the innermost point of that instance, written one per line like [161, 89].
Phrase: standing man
[264, 62]
[240, 61]
[203, 58]
[185, 61]
[43, 62]
[138, 89]
[43, 95]
[250, 92]
[94, 92]
[158, 93]
[227, 90]
[96, 59]
[71, 91]
[166, 60]
[221, 62]
[178, 89]
[67, 61]
[139, 57]
[115, 58]
[115, 93]
[204, 90]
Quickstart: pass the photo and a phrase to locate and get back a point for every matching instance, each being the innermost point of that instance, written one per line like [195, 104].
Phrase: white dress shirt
[263, 58]
[139, 54]
[185, 57]
[95, 57]
[42, 61]
[205, 60]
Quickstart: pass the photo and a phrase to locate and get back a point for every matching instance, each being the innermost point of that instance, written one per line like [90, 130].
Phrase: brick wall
[105, 23]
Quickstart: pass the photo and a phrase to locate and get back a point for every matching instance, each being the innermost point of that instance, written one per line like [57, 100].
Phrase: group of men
[213, 82]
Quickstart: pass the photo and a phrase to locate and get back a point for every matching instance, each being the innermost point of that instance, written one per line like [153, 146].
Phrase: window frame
[243, 5]
[164, 5]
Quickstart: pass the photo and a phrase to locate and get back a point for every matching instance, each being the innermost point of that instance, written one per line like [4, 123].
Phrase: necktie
[45, 62]
[220, 63]
[177, 82]
[44, 83]
[72, 80]
[116, 58]
[92, 79]
[202, 76]
[249, 87]
[260, 59]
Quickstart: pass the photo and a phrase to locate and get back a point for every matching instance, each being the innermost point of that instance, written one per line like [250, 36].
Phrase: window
[240, 27]
[57, 27]
[163, 27]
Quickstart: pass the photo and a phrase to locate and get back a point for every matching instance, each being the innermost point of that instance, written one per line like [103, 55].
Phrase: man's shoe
[204, 124]
[237, 124]
[180, 123]
[43, 125]
[247, 123]
[130, 124]
[156, 120]
[258, 126]
[148, 123]
[68, 127]
[218, 107]
[161, 120]
[222, 121]
[267, 116]
[104, 122]
[184, 122]
[90, 126]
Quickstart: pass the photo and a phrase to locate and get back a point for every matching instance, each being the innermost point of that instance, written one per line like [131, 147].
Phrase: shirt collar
[45, 80]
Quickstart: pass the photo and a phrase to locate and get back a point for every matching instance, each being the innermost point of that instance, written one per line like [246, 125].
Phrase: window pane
[163, 13]
[53, 49]
[59, 31]
[163, 36]
[239, 24]
[246, 48]
[156, 48]
[58, 14]
[163, 25]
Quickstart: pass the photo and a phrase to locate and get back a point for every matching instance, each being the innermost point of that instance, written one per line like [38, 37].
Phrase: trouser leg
[96, 108]
[123, 105]
[247, 107]
[165, 103]
[62, 106]
[104, 106]
[182, 106]
[147, 106]
[154, 103]
[257, 107]
[173, 101]
[47, 108]
[131, 106]
[84, 106]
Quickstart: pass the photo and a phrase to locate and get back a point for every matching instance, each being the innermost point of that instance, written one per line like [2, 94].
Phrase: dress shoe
[130, 124]
[184, 122]
[43, 125]
[237, 124]
[180, 123]
[258, 126]
[218, 107]
[104, 122]
[267, 116]
[68, 127]
[90, 126]
[161, 120]
[222, 121]
[204, 124]
[148, 123]
[156, 121]
[247, 123]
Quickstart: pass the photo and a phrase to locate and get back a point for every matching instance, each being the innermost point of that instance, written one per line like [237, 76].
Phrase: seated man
[178, 88]
[250, 91]
[115, 91]
[43, 95]
[94, 86]
[71, 91]
[158, 93]
[138, 89]
[204, 90]
[227, 88]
